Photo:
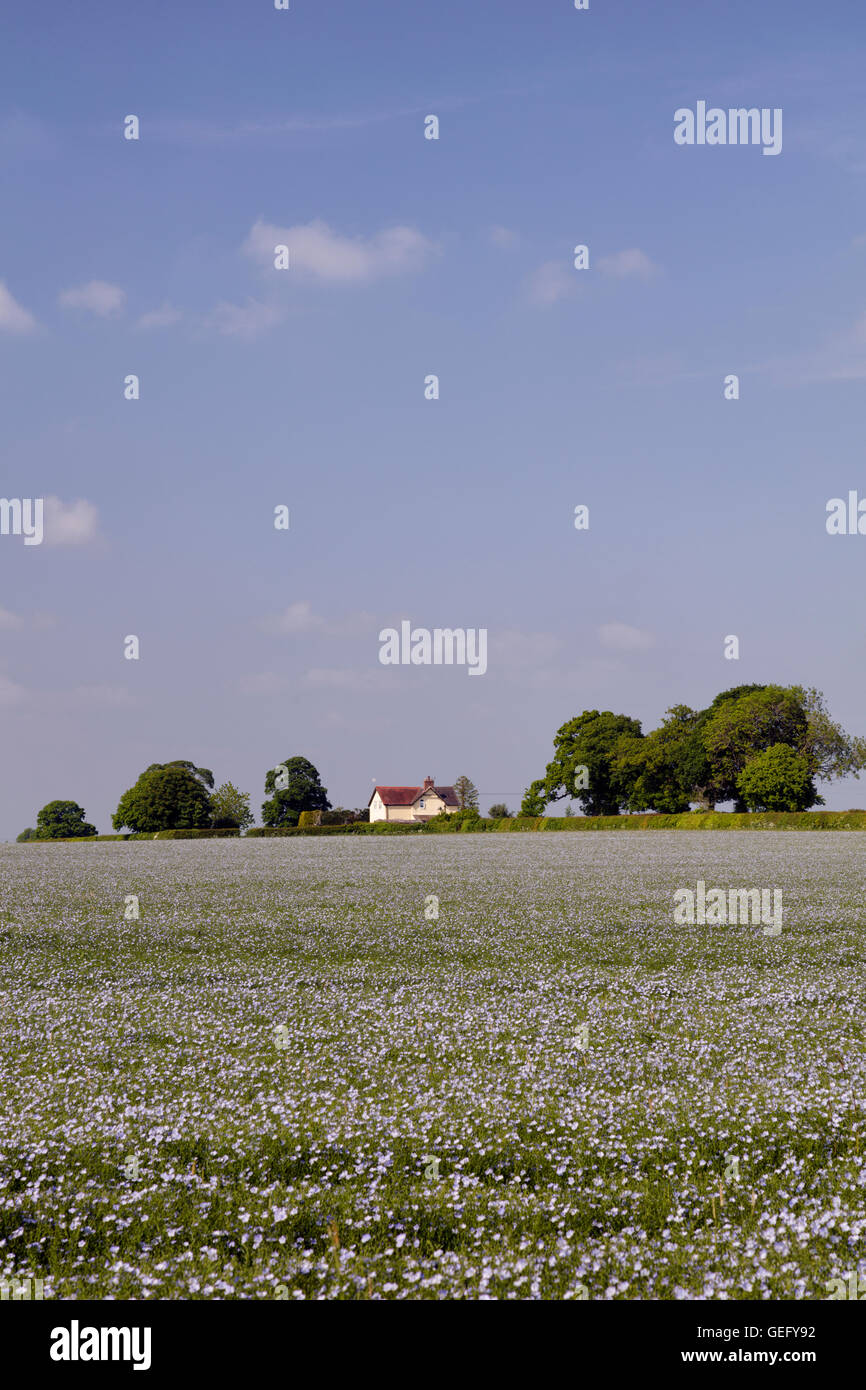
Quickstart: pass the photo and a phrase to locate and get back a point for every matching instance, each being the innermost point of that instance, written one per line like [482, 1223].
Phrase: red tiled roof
[396, 796]
[448, 795]
[404, 796]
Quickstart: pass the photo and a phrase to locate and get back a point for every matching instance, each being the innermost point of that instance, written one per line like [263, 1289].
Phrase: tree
[62, 820]
[831, 751]
[606, 762]
[739, 728]
[231, 808]
[204, 774]
[778, 779]
[584, 766]
[28, 834]
[660, 772]
[168, 796]
[534, 799]
[499, 811]
[466, 793]
[295, 786]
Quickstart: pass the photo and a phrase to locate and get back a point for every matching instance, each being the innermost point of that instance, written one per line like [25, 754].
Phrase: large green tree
[657, 772]
[62, 820]
[700, 755]
[167, 796]
[739, 728]
[584, 765]
[294, 786]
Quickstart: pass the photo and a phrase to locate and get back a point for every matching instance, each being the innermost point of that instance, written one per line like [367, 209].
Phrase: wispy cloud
[343, 679]
[550, 283]
[204, 131]
[266, 683]
[163, 317]
[298, 619]
[15, 622]
[317, 252]
[244, 321]
[504, 238]
[97, 297]
[11, 693]
[840, 357]
[70, 523]
[14, 318]
[625, 263]
[622, 638]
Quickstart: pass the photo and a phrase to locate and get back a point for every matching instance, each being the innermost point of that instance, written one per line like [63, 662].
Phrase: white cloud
[317, 252]
[14, 318]
[266, 683]
[525, 650]
[551, 282]
[163, 317]
[245, 321]
[10, 621]
[334, 679]
[299, 619]
[504, 237]
[10, 692]
[97, 297]
[632, 262]
[623, 638]
[69, 523]
[99, 696]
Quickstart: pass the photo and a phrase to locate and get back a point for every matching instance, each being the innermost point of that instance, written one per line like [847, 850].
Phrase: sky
[304, 388]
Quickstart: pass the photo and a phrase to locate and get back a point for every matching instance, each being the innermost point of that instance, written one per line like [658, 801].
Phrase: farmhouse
[412, 803]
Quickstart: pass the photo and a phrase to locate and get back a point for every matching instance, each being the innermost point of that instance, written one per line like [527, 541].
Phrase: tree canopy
[230, 808]
[727, 752]
[295, 786]
[61, 820]
[466, 792]
[167, 796]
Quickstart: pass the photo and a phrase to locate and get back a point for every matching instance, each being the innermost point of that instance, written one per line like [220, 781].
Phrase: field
[289, 1078]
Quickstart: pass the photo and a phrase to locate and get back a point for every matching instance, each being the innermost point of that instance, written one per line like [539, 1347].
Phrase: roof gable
[407, 796]
[446, 794]
[395, 796]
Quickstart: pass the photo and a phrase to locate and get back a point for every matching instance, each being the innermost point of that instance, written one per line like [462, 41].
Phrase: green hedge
[86, 839]
[196, 834]
[358, 828]
[139, 835]
[689, 820]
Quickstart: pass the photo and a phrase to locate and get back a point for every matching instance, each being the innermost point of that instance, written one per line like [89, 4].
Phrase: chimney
[428, 784]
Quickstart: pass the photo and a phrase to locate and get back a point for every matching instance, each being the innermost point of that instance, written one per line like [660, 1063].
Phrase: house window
[421, 803]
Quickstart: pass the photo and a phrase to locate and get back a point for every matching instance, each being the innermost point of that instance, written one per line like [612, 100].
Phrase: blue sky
[306, 387]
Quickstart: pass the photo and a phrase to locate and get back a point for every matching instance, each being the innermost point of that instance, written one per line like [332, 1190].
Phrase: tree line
[180, 796]
[758, 746]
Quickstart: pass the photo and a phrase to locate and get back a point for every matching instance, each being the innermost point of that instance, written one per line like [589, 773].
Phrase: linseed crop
[284, 1081]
